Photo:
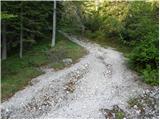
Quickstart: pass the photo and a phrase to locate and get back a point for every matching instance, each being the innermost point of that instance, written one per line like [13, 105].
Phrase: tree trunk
[54, 25]
[4, 41]
[21, 33]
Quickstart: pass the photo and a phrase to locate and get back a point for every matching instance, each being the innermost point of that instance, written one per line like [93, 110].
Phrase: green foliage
[112, 26]
[139, 22]
[151, 75]
[146, 52]
[121, 24]
[5, 16]
[72, 20]
[17, 73]
[64, 49]
[120, 115]
[13, 81]
[95, 35]
[132, 25]
[37, 19]
[142, 33]
[93, 22]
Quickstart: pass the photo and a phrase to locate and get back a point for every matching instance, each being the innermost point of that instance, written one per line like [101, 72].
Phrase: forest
[31, 37]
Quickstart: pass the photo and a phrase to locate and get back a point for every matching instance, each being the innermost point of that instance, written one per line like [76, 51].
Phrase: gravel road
[99, 80]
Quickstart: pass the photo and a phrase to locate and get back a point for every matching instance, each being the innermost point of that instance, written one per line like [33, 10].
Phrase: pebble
[7, 110]
[135, 106]
[147, 91]
[138, 111]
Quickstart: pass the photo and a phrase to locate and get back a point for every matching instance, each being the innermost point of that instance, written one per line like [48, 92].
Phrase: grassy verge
[104, 41]
[16, 73]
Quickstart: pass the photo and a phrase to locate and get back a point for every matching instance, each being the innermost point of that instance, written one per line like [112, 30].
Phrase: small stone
[135, 106]
[138, 111]
[67, 92]
[7, 110]
[86, 65]
[67, 61]
[147, 91]
[84, 106]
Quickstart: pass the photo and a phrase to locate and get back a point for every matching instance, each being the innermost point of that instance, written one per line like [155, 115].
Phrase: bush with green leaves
[145, 58]
[142, 30]
[146, 52]
[150, 75]
[140, 21]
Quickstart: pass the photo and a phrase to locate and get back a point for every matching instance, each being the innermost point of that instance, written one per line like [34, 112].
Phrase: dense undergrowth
[16, 72]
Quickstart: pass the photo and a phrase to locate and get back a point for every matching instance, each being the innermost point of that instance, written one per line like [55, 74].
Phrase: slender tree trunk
[54, 25]
[4, 41]
[21, 33]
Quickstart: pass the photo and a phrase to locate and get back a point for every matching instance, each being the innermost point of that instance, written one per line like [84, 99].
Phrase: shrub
[150, 75]
[146, 52]
[145, 58]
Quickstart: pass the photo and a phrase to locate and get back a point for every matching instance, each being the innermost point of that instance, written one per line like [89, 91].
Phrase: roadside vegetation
[17, 73]
[130, 27]
[133, 31]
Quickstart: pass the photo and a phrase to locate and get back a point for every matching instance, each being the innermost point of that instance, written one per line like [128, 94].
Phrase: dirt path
[100, 80]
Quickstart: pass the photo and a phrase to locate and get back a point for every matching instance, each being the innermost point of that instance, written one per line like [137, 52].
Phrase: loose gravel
[99, 80]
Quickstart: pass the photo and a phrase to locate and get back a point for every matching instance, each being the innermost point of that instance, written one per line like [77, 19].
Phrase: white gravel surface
[100, 80]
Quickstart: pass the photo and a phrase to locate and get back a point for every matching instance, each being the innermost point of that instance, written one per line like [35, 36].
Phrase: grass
[106, 42]
[17, 73]
[119, 115]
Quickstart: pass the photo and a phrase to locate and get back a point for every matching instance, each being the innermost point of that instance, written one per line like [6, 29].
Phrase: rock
[67, 61]
[147, 91]
[138, 111]
[7, 110]
[135, 107]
